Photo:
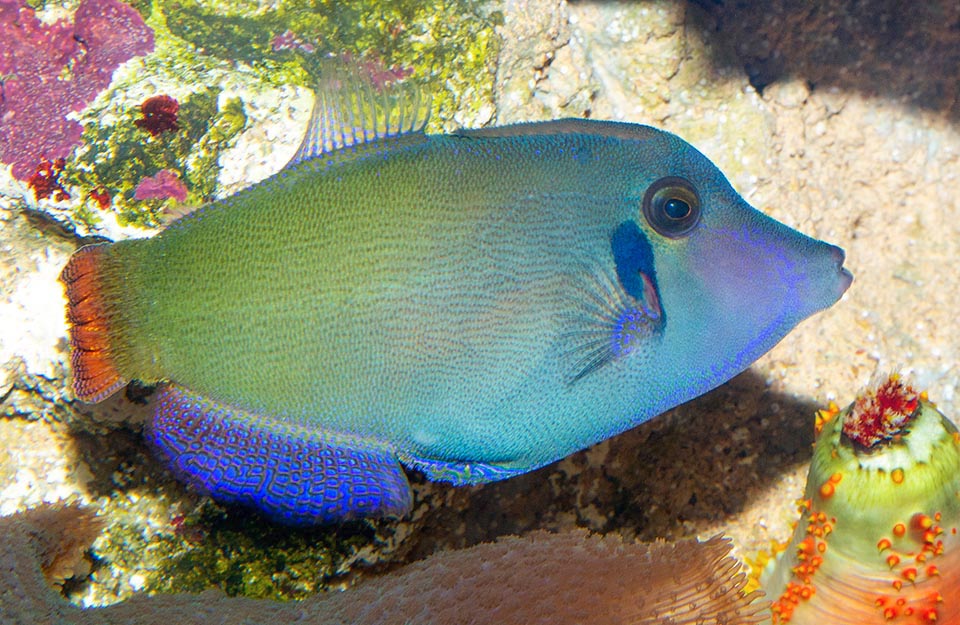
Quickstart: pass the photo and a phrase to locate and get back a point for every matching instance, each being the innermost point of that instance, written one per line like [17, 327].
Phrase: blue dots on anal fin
[293, 474]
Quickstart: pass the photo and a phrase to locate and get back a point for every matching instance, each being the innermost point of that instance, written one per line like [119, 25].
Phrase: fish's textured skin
[478, 305]
[266, 460]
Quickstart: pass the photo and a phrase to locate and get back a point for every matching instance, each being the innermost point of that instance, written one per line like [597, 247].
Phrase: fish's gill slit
[606, 323]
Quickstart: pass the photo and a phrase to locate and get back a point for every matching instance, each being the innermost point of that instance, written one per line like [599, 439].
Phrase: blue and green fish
[472, 305]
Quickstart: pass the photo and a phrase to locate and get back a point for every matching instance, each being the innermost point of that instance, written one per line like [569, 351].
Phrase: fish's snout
[845, 276]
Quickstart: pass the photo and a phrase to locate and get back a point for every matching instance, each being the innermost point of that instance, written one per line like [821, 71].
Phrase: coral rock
[543, 578]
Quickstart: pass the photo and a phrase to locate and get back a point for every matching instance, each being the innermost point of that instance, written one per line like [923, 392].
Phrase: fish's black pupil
[671, 206]
[676, 208]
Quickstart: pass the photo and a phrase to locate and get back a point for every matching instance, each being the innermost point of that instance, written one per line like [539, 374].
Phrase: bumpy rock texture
[515, 580]
[839, 118]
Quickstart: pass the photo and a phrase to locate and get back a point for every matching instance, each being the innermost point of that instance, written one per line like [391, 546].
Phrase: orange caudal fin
[95, 376]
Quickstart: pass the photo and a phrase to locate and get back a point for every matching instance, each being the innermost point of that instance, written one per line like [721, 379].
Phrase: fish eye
[672, 207]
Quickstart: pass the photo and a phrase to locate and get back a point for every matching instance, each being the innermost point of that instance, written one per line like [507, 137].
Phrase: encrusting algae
[877, 539]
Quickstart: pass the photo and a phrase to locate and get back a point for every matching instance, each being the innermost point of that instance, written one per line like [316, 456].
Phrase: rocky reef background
[837, 117]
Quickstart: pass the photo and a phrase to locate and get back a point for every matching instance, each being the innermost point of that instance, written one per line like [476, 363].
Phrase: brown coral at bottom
[540, 578]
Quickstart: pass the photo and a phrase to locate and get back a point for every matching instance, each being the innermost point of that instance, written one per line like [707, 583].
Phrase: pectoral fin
[460, 473]
[294, 474]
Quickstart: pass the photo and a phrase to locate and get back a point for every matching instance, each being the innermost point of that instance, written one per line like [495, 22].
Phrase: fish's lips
[844, 274]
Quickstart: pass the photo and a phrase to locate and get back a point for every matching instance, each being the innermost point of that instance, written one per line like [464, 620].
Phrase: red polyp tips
[882, 414]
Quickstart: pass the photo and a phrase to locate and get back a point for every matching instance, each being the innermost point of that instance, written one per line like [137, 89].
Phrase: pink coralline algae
[376, 71]
[161, 186]
[289, 41]
[48, 71]
[159, 115]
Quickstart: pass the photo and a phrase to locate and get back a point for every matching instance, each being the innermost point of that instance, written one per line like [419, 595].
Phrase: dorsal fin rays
[620, 130]
[354, 105]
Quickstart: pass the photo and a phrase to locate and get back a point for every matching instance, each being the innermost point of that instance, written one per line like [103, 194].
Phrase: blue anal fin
[460, 473]
[294, 474]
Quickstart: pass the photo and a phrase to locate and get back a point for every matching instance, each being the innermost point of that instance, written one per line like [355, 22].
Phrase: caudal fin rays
[95, 376]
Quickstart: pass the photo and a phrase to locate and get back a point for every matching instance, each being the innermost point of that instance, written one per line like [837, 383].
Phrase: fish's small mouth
[846, 277]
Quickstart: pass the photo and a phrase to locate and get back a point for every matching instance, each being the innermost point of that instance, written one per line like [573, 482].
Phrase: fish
[472, 305]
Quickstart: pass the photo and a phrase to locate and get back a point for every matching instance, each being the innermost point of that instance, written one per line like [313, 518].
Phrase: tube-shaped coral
[877, 539]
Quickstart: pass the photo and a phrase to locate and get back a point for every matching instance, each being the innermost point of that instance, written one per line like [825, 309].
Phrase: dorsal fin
[358, 103]
[569, 125]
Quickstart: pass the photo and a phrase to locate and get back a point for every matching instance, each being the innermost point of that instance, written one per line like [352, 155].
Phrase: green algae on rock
[878, 537]
[120, 155]
[451, 46]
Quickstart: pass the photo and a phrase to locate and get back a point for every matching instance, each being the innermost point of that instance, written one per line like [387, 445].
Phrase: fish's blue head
[727, 281]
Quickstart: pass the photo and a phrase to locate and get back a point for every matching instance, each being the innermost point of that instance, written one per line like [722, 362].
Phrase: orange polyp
[824, 416]
[849, 580]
